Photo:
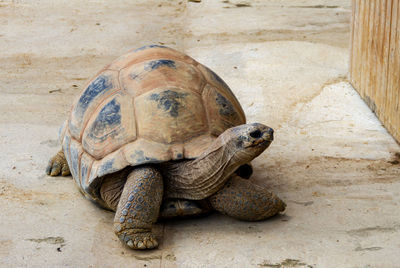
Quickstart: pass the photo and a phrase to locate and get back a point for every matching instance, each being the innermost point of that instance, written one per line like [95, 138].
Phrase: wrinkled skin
[137, 194]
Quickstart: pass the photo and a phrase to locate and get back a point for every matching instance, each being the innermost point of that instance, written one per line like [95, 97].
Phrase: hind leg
[138, 208]
[244, 200]
[58, 164]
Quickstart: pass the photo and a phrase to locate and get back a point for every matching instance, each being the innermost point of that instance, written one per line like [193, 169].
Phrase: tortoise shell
[151, 105]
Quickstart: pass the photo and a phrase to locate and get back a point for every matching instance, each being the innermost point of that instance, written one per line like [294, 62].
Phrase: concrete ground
[287, 61]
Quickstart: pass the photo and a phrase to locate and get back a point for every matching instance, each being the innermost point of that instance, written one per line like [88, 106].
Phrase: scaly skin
[183, 208]
[58, 165]
[243, 200]
[138, 208]
[136, 193]
[112, 187]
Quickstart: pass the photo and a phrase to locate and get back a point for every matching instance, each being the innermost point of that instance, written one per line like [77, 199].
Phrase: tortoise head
[248, 141]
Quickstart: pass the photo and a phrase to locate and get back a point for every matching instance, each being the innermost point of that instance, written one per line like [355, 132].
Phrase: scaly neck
[205, 174]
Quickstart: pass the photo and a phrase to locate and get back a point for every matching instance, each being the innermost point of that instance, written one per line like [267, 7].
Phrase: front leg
[138, 208]
[58, 164]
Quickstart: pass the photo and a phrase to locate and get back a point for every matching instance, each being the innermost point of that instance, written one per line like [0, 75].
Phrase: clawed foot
[137, 240]
[58, 165]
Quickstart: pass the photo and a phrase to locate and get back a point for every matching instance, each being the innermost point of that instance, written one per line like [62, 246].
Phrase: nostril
[271, 133]
[256, 134]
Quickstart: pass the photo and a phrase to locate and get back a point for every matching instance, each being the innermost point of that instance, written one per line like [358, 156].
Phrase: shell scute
[176, 115]
[155, 64]
[90, 98]
[148, 53]
[85, 169]
[222, 112]
[109, 117]
[142, 77]
[169, 101]
[148, 46]
[75, 152]
[216, 81]
[111, 126]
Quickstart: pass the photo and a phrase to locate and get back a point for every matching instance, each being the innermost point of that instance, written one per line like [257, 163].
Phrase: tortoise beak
[269, 134]
[262, 136]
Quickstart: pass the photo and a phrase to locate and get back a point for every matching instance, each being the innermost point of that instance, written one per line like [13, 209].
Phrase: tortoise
[157, 135]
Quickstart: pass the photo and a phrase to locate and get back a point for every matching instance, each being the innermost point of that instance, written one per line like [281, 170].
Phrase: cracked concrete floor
[332, 161]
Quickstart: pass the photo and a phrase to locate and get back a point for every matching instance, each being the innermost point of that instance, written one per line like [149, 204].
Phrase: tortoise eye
[256, 134]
